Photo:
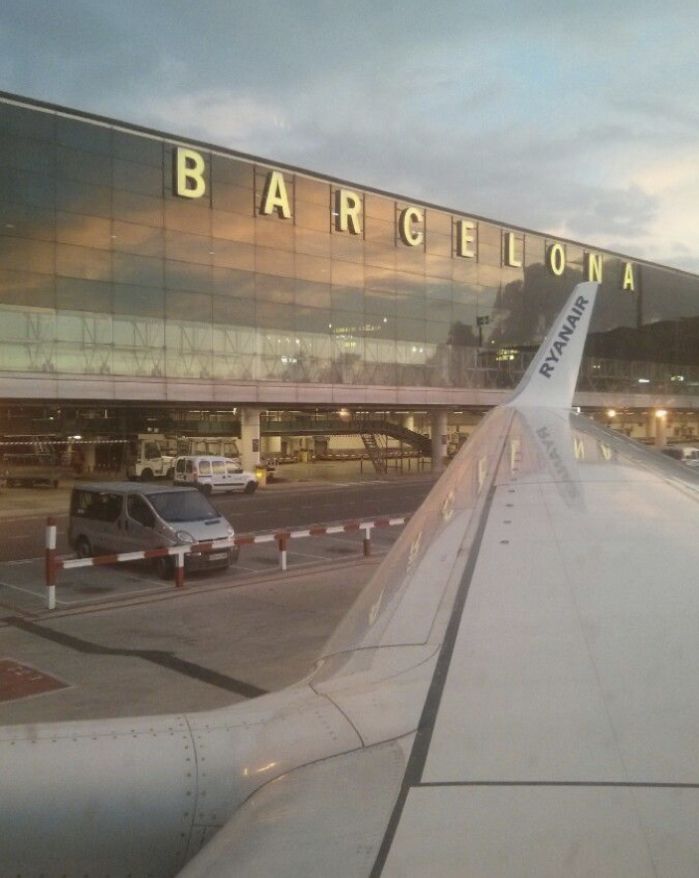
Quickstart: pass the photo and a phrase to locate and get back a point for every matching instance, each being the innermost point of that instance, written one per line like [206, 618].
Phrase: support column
[273, 445]
[660, 428]
[439, 439]
[249, 438]
[650, 424]
[90, 452]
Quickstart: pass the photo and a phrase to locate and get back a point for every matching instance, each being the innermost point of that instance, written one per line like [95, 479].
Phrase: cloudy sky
[580, 119]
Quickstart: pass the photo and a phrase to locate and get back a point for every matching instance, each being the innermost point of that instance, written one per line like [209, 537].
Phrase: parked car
[213, 474]
[113, 517]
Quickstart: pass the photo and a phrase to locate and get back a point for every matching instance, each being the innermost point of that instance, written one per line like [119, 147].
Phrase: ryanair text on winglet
[567, 331]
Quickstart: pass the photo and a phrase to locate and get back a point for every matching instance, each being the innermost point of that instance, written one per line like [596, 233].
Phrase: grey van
[114, 517]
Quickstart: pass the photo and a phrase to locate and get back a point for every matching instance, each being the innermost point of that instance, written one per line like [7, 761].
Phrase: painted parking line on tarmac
[20, 561]
[293, 555]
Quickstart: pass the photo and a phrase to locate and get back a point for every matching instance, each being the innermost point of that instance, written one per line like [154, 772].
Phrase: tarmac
[19, 503]
[174, 652]
[165, 650]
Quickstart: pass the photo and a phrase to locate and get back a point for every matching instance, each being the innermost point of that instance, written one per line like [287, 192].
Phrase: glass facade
[113, 265]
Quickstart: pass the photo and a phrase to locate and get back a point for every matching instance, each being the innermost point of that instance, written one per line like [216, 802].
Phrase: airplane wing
[513, 694]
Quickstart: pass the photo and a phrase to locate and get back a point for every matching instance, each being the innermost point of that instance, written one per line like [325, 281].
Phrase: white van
[213, 474]
[686, 453]
[114, 517]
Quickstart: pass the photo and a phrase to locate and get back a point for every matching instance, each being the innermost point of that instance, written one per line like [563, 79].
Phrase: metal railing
[54, 563]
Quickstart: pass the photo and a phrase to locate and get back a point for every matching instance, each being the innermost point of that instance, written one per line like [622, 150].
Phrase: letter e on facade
[275, 196]
[188, 172]
[464, 238]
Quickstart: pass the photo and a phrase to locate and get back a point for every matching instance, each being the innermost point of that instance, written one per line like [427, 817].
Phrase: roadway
[278, 506]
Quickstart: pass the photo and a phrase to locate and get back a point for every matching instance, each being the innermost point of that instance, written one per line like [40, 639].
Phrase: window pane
[274, 262]
[27, 290]
[274, 289]
[439, 266]
[348, 247]
[438, 225]
[27, 221]
[233, 199]
[379, 208]
[314, 320]
[232, 311]
[275, 232]
[28, 122]
[136, 148]
[187, 276]
[311, 242]
[83, 262]
[273, 315]
[313, 295]
[188, 216]
[76, 164]
[133, 238]
[74, 294]
[83, 198]
[21, 253]
[88, 231]
[231, 282]
[188, 306]
[27, 187]
[137, 177]
[313, 216]
[135, 208]
[231, 171]
[233, 254]
[84, 135]
[141, 301]
[139, 270]
[313, 192]
[233, 226]
[313, 268]
[26, 154]
[189, 248]
[347, 299]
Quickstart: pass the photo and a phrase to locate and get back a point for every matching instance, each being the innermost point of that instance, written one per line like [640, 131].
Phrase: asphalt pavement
[285, 503]
[121, 642]
[205, 647]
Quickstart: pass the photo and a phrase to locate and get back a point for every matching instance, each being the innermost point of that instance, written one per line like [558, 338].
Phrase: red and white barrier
[51, 568]
[54, 562]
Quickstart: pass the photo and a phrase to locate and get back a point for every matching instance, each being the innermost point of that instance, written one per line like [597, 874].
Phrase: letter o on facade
[556, 259]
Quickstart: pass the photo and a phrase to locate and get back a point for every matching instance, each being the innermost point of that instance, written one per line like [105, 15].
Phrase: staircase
[375, 452]
[368, 428]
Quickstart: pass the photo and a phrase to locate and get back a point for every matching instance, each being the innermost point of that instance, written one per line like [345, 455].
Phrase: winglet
[550, 380]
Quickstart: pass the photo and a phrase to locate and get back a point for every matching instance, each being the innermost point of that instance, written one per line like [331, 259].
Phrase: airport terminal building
[153, 282]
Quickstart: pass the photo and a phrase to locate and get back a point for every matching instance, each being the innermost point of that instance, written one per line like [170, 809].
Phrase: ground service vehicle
[28, 461]
[113, 517]
[149, 458]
